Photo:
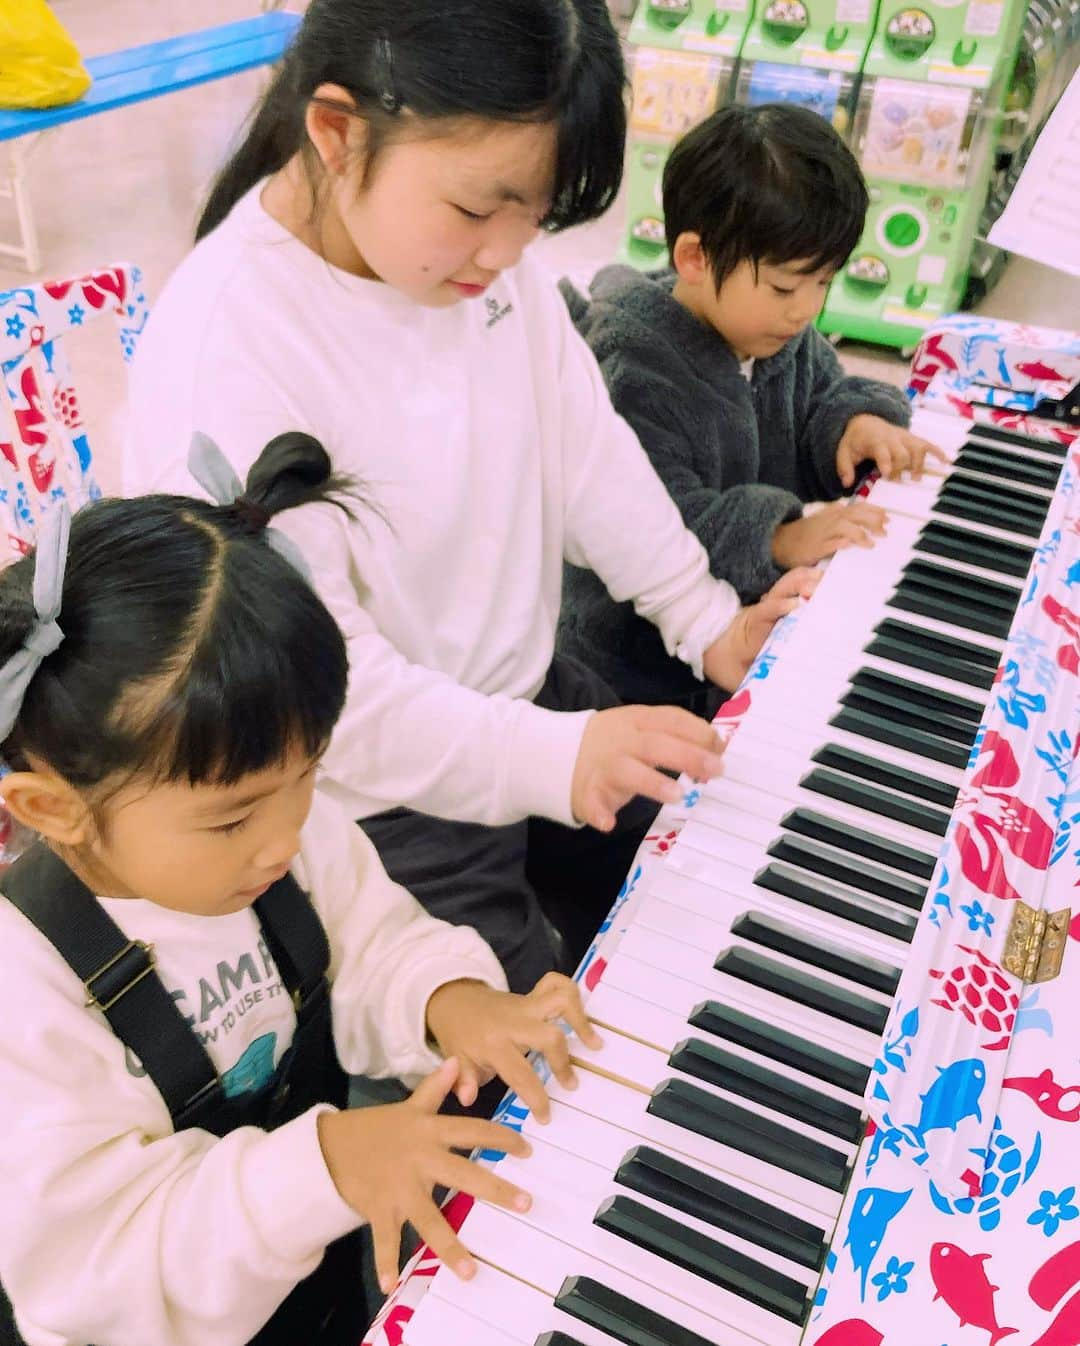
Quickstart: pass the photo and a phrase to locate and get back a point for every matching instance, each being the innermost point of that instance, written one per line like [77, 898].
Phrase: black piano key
[958, 585]
[899, 778]
[768, 1087]
[556, 1339]
[997, 498]
[963, 505]
[686, 1247]
[863, 796]
[842, 866]
[840, 833]
[820, 893]
[705, 1114]
[910, 596]
[914, 657]
[835, 1002]
[961, 544]
[995, 432]
[1008, 466]
[907, 711]
[921, 742]
[782, 937]
[688, 1190]
[949, 647]
[631, 1323]
[942, 703]
[756, 1035]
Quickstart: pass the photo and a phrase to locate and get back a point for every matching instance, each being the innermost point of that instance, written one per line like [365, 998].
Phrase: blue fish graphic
[871, 1213]
[953, 1096]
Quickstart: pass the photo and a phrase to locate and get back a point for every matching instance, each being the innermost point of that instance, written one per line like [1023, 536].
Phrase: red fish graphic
[1057, 1275]
[1047, 1095]
[960, 1279]
[1035, 369]
[851, 1332]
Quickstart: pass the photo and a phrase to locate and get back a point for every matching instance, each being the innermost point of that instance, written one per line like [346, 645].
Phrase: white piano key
[631, 969]
[492, 1302]
[586, 1185]
[544, 1261]
[602, 1098]
[437, 1323]
[773, 801]
[560, 1235]
[696, 880]
[698, 900]
[616, 1011]
[647, 1068]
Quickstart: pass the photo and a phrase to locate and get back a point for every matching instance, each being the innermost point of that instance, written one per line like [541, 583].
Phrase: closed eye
[781, 291]
[228, 828]
[471, 214]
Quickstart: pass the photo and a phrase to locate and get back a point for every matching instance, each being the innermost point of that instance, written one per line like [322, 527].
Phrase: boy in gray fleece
[740, 403]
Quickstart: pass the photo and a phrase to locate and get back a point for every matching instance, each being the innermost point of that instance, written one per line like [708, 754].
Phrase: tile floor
[126, 186]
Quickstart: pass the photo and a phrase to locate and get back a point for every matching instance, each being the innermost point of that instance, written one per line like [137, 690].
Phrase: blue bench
[133, 76]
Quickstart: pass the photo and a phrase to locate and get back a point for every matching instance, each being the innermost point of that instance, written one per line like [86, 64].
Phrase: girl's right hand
[386, 1160]
[625, 751]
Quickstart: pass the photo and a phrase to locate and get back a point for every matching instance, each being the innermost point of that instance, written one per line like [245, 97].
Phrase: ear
[337, 133]
[689, 260]
[48, 805]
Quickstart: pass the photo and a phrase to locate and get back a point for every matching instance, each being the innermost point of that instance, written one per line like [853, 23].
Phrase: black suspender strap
[297, 942]
[117, 972]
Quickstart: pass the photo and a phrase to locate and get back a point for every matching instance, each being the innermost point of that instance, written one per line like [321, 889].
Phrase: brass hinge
[1035, 943]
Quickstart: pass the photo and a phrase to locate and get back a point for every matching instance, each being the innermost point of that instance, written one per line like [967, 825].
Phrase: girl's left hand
[490, 1031]
[727, 660]
[891, 448]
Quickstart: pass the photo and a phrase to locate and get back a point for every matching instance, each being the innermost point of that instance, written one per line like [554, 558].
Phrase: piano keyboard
[685, 1194]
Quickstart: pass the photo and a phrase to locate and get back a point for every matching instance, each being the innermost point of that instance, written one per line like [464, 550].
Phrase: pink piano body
[961, 1223]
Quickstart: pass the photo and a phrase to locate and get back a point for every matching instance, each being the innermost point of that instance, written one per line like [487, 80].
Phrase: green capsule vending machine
[684, 55]
[808, 52]
[928, 120]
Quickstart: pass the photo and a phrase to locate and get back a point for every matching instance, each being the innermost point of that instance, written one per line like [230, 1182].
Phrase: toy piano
[838, 1101]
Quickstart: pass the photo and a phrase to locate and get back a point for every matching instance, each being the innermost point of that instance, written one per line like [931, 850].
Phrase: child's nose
[502, 247]
[279, 849]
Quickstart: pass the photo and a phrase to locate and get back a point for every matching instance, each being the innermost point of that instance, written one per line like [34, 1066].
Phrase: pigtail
[294, 469]
[17, 612]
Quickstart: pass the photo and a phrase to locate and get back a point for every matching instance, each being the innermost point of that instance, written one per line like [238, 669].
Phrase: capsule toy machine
[808, 52]
[683, 57]
[929, 116]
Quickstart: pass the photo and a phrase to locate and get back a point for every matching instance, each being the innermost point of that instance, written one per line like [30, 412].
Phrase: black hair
[773, 183]
[192, 650]
[500, 60]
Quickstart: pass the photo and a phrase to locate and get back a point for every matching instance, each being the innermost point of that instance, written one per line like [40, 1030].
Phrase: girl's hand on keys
[727, 660]
[385, 1161]
[892, 449]
[806, 541]
[488, 1032]
[625, 751]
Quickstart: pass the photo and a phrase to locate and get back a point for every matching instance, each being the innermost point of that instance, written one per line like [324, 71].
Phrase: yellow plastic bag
[39, 64]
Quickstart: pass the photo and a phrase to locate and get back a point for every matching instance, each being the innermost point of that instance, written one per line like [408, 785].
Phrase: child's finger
[870, 516]
[386, 1239]
[515, 1071]
[675, 754]
[475, 1133]
[845, 465]
[570, 1008]
[885, 461]
[431, 1092]
[468, 1083]
[425, 1218]
[463, 1175]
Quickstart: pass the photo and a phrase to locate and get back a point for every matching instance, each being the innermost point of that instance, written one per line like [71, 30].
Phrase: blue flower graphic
[15, 326]
[1054, 1209]
[893, 1280]
[76, 313]
[978, 917]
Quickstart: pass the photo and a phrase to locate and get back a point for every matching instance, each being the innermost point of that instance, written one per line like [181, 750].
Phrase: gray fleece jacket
[738, 457]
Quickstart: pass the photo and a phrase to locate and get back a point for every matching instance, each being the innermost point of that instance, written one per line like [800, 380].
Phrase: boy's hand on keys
[727, 660]
[385, 1161]
[488, 1032]
[891, 448]
[806, 541]
[626, 750]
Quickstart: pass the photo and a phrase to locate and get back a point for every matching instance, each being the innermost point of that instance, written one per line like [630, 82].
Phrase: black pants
[509, 882]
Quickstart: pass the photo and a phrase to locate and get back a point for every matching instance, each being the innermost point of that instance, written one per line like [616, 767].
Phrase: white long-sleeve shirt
[485, 437]
[120, 1231]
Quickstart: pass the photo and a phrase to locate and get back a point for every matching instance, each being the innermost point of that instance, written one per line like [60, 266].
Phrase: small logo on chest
[496, 312]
